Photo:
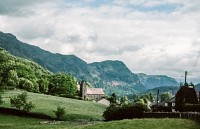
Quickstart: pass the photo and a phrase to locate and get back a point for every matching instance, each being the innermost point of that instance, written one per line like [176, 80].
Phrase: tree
[26, 84]
[60, 112]
[113, 99]
[20, 102]
[13, 79]
[62, 84]
[43, 85]
[185, 95]
[165, 96]
[124, 100]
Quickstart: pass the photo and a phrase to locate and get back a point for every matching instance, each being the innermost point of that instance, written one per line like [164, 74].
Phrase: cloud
[15, 7]
[154, 37]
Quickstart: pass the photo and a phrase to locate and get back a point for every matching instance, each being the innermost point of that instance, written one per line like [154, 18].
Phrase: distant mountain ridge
[152, 81]
[110, 75]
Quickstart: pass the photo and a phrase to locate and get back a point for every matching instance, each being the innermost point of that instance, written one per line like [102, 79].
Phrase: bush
[124, 112]
[26, 84]
[60, 112]
[156, 108]
[20, 102]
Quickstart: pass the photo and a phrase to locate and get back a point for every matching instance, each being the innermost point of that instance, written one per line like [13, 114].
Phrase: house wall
[94, 96]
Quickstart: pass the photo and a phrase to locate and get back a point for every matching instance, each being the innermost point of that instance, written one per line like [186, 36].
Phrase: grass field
[145, 124]
[80, 115]
[14, 122]
[75, 109]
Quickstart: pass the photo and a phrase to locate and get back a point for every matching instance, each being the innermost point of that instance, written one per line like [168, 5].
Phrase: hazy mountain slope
[151, 81]
[114, 72]
[50, 61]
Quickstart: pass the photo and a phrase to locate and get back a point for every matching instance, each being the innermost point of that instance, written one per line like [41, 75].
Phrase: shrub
[26, 84]
[60, 112]
[160, 108]
[124, 112]
[20, 102]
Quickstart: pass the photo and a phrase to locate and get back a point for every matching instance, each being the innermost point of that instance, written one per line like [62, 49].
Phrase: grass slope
[75, 109]
[145, 124]
[15, 122]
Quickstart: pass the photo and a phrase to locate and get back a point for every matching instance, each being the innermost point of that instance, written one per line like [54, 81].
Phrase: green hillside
[21, 73]
[15, 70]
[45, 104]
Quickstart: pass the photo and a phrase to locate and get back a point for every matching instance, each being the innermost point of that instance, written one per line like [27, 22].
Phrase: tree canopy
[21, 73]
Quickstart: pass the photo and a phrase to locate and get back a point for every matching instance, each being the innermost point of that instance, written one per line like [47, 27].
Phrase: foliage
[62, 84]
[143, 99]
[124, 112]
[26, 84]
[43, 85]
[20, 102]
[161, 108]
[20, 73]
[186, 94]
[13, 79]
[113, 99]
[60, 112]
[124, 100]
[165, 96]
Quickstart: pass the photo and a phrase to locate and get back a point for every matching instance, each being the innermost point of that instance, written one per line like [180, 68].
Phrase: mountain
[151, 81]
[114, 72]
[163, 89]
[113, 76]
[53, 62]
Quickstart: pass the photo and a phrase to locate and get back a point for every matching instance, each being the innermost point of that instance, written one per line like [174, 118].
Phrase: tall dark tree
[113, 99]
[185, 95]
[62, 84]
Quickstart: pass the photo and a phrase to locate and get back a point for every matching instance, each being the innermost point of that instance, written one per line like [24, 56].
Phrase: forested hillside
[21, 73]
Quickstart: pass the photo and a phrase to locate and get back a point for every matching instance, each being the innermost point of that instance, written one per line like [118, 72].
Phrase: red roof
[96, 91]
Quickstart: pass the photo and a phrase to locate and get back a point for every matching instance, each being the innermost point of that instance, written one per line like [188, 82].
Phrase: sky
[156, 37]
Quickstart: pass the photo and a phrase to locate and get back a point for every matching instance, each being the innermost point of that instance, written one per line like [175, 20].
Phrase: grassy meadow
[80, 115]
[75, 109]
[10, 122]
[145, 124]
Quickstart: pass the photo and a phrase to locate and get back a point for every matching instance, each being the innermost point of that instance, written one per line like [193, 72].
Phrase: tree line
[20, 73]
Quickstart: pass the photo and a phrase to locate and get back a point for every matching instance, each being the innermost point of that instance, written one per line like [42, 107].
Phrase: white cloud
[153, 42]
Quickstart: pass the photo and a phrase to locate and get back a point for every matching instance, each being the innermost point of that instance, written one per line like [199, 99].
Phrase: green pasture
[15, 122]
[75, 109]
